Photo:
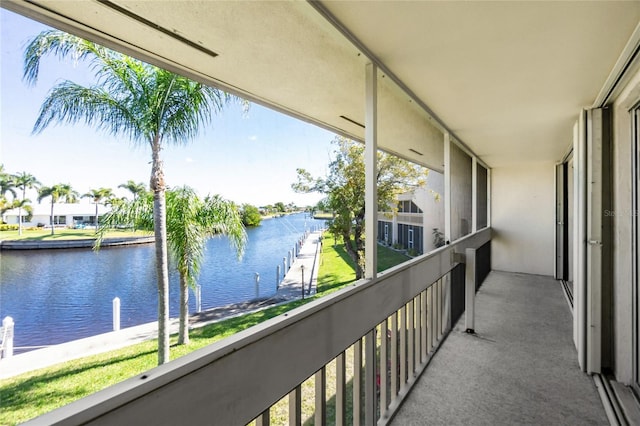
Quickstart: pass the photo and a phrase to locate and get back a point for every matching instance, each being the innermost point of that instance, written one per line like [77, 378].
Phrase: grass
[32, 394]
[66, 234]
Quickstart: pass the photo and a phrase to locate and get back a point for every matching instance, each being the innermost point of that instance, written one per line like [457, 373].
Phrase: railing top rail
[206, 382]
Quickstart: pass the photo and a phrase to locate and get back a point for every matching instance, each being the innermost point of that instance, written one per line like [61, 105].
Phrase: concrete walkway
[290, 289]
[520, 368]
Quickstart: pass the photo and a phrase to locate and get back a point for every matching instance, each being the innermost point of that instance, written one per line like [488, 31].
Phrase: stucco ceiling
[507, 78]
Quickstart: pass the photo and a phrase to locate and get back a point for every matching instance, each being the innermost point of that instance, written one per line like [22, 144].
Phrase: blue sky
[248, 158]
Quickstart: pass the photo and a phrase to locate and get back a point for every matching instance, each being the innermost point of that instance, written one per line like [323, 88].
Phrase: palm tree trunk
[162, 264]
[183, 333]
[96, 217]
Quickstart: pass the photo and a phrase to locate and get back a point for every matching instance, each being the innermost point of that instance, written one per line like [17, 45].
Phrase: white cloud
[188, 160]
[253, 138]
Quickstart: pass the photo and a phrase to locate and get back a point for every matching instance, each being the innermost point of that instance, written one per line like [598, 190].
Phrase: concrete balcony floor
[520, 368]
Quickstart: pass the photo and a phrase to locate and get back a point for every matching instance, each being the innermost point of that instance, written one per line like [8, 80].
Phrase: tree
[190, 221]
[58, 193]
[279, 207]
[98, 195]
[7, 186]
[250, 215]
[136, 189]
[24, 181]
[344, 187]
[143, 103]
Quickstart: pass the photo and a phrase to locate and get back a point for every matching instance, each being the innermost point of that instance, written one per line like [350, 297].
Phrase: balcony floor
[520, 368]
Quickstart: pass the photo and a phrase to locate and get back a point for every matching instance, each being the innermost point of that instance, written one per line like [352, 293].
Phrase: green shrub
[6, 227]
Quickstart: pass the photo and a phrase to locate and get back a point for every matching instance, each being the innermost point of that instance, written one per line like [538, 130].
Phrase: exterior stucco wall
[522, 216]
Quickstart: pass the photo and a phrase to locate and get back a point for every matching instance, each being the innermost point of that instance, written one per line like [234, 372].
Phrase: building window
[59, 220]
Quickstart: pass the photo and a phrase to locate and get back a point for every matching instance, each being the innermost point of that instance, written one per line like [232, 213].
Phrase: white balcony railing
[239, 379]
[411, 218]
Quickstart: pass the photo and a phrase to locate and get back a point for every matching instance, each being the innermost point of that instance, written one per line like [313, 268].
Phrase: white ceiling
[507, 78]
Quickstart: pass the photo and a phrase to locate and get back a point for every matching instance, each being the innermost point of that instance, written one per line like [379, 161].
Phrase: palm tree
[98, 195]
[190, 221]
[24, 181]
[7, 185]
[135, 188]
[146, 104]
[58, 193]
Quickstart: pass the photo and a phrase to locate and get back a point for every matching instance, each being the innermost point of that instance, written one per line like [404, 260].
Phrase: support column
[371, 170]
[474, 194]
[447, 188]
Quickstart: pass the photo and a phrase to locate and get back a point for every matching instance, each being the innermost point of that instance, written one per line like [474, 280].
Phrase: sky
[245, 157]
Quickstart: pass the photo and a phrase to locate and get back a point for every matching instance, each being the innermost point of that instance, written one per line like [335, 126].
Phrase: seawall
[68, 244]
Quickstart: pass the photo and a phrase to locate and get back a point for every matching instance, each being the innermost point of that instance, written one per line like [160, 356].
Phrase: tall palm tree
[146, 104]
[61, 192]
[98, 195]
[24, 181]
[190, 221]
[135, 188]
[7, 186]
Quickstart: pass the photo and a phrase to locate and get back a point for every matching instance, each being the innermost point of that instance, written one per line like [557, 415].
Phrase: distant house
[64, 215]
[418, 213]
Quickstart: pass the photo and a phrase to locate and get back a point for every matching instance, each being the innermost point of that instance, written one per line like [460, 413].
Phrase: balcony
[484, 68]
[520, 368]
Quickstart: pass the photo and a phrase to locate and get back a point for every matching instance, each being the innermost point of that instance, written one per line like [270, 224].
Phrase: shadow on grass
[16, 394]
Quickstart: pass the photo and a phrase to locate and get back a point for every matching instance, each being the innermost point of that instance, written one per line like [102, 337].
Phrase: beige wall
[522, 216]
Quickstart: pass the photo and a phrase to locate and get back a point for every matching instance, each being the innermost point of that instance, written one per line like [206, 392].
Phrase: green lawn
[66, 234]
[37, 392]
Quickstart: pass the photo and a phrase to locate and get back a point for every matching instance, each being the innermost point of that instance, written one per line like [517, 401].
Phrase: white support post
[116, 313]
[198, 298]
[447, 188]
[370, 382]
[257, 284]
[474, 194]
[470, 290]
[7, 338]
[488, 198]
[370, 170]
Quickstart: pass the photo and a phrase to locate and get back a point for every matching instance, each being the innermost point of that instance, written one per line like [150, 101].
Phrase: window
[59, 220]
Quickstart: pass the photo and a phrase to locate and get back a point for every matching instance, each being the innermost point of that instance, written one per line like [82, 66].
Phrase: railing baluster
[357, 381]
[370, 379]
[263, 419]
[447, 302]
[424, 327]
[411, 322]
[321, 397]
[384, 367]
[403, 348]
[394, 356]
[430, 319]
[438, 309]
[295, 407]
[442, 310]
[341, 390]
[417, 332]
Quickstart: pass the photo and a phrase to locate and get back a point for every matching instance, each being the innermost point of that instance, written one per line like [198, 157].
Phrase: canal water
[59, 295]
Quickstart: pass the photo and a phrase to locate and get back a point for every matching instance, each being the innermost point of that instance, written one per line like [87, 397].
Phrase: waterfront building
[416, 222]
[65, 215]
